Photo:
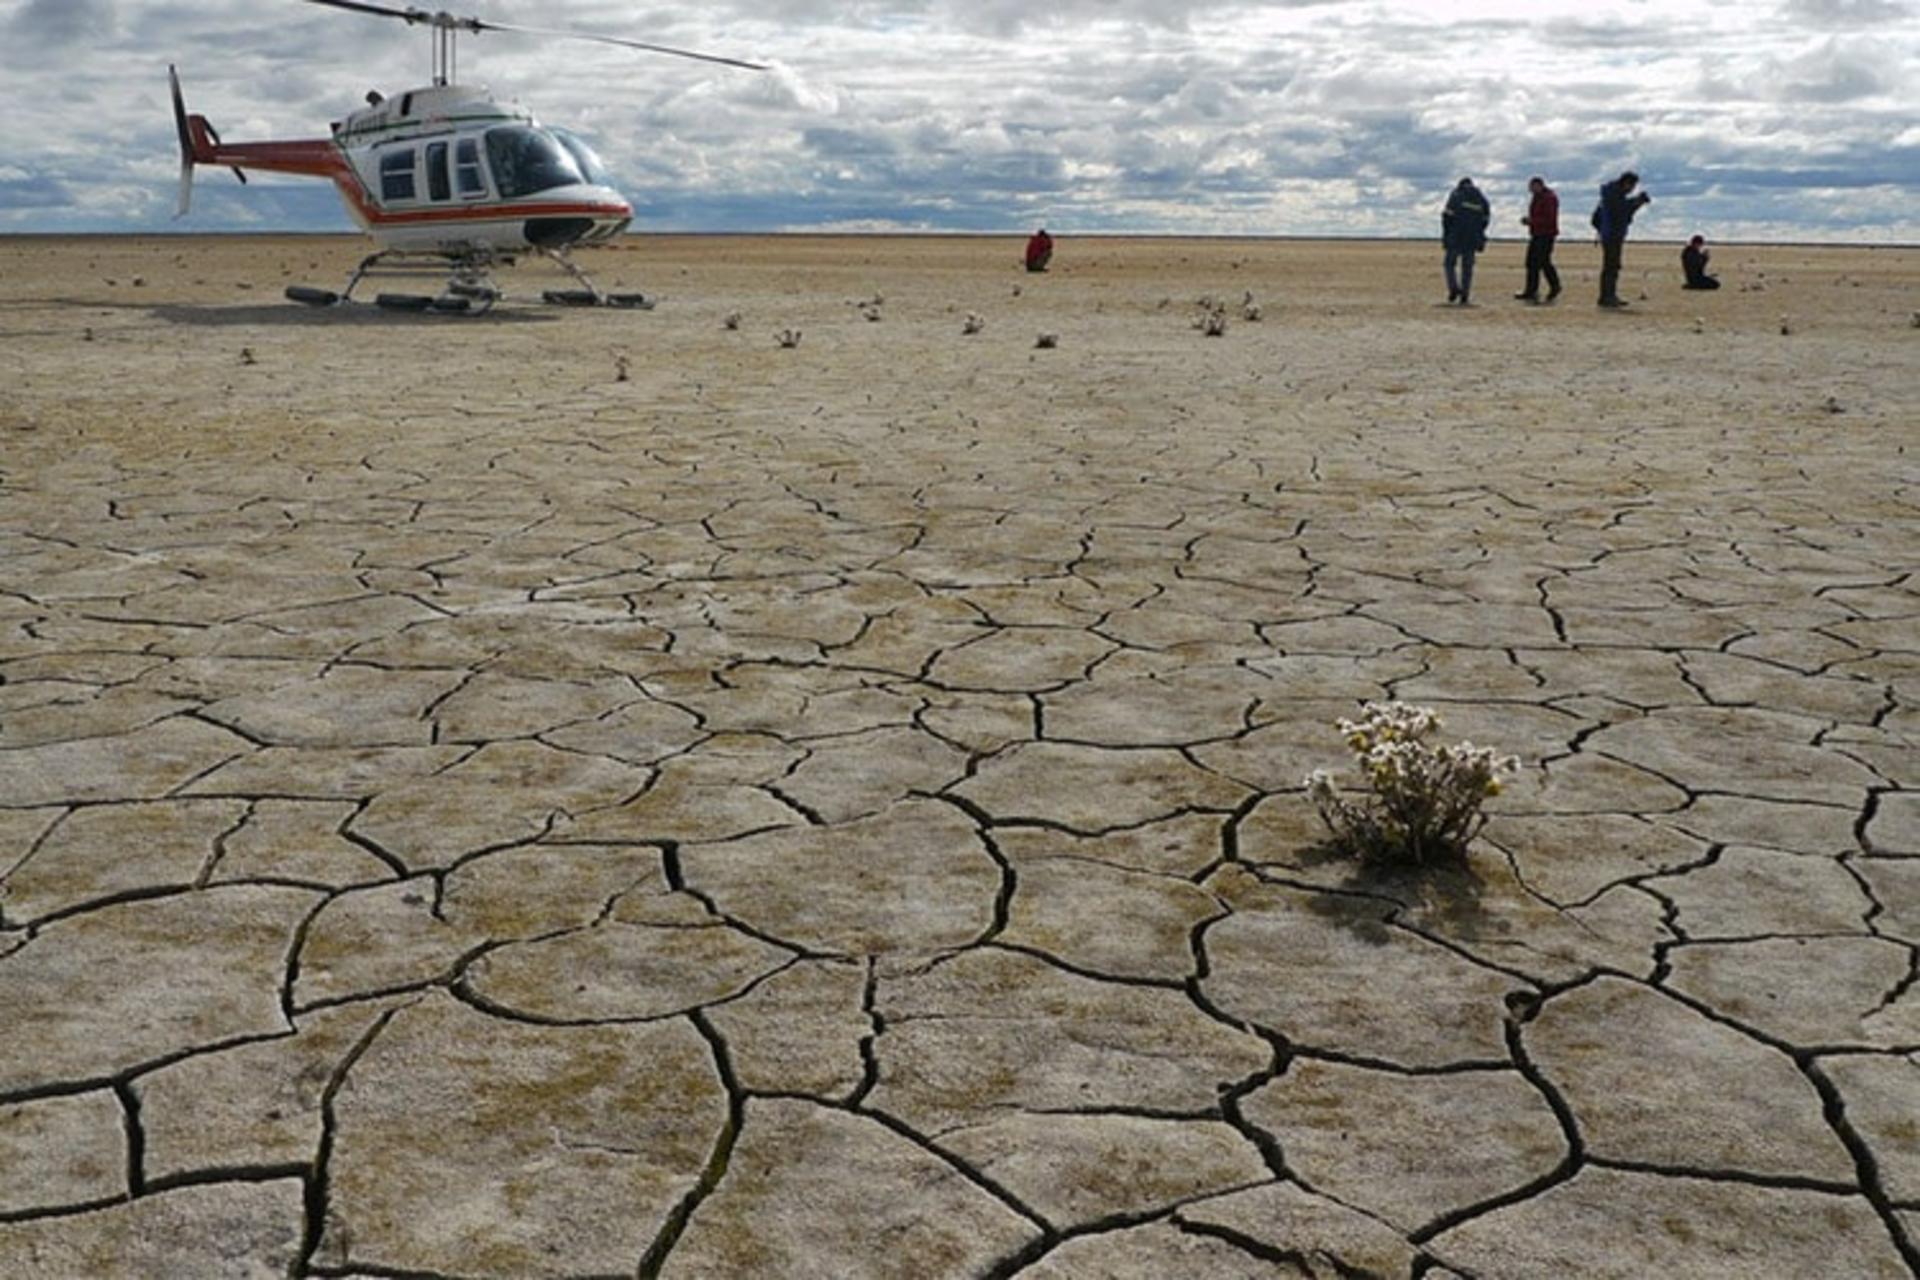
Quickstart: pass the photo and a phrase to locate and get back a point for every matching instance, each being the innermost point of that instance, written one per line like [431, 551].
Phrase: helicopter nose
[601, 217]
[614, 226]
[557, 233]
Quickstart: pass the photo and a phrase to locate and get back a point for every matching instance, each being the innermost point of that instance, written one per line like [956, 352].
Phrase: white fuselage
[450, 170]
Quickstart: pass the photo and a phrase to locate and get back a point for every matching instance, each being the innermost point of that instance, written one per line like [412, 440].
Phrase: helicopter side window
[439, 185]
[396, 174]
[527, 160]
[467, 174]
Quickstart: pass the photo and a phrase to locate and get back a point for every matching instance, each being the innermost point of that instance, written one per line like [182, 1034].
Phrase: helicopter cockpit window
[396, 174]
[467, 175]
[583, 156]
[439, 182]
[527, 160]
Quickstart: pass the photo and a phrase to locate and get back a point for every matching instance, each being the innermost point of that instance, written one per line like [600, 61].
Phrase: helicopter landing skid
[469, 289]
[588, 294]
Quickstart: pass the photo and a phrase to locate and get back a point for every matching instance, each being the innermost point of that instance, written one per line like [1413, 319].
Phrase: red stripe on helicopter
[496, 212]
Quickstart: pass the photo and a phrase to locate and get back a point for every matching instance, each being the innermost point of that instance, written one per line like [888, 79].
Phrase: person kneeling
[1039, 250]
[1693, 261]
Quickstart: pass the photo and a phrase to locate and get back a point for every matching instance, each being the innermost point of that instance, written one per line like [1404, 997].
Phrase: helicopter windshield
[583, 156]
[526, 160]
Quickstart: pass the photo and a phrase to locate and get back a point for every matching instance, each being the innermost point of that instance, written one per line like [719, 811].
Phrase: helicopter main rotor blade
[446, 20]
[481, 24]
[409, 16]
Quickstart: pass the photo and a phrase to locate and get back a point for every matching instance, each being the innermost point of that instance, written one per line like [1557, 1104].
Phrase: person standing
[1543, 228]
[1463, 232]
[1611, 218]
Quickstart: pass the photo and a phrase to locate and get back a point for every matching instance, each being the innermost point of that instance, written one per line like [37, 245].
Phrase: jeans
[1461, 286]
[1540, 263]
[1610, 254]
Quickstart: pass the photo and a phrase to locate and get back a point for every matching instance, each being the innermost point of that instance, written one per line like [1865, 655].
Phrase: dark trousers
[1610, 254]
[1461, 285]
[1540, 263]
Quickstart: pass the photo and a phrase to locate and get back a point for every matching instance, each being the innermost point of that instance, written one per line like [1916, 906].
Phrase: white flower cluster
[1424, 802]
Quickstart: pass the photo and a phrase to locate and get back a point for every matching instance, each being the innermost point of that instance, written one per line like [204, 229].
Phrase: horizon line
[932, 234]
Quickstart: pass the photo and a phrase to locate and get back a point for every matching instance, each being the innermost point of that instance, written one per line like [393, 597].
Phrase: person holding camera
[1693, 261]
[1611, 218]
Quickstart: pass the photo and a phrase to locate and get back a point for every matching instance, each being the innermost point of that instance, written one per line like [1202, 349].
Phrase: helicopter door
[439, 181]
[468, 175]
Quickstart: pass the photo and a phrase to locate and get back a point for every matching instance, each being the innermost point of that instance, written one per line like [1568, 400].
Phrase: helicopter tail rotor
[186, 144]
[198, 144]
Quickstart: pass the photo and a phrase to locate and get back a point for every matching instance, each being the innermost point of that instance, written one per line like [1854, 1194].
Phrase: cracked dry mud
[836, 812]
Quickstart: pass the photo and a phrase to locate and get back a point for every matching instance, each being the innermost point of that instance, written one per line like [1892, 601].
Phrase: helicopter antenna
[447, 28]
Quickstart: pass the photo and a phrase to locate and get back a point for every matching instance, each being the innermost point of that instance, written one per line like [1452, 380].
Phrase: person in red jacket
[1543, 228]
[1039, 250]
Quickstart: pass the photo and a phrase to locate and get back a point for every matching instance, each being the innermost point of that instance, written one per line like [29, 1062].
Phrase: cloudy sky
[1765, 119]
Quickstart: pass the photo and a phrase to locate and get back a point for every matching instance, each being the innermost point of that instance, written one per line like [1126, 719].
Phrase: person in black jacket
[1618, 204]
[1693, 261]
[1463, 230]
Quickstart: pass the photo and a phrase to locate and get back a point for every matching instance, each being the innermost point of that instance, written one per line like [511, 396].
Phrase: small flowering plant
[1426, 799]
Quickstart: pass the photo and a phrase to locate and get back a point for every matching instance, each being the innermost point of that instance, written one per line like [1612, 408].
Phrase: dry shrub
[1424, 801]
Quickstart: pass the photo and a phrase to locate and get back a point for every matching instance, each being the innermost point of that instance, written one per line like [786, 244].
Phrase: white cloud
[42, 25]
[1343, 116]
[1840, 71]
[1848, 13]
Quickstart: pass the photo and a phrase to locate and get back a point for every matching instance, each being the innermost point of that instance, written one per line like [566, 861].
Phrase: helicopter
[446, 179]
